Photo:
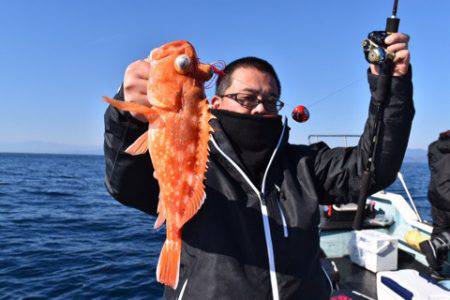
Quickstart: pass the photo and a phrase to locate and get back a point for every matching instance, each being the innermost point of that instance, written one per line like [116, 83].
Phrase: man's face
[252, 82]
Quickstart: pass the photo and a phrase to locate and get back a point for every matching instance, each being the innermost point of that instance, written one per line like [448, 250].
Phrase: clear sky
[58, 58]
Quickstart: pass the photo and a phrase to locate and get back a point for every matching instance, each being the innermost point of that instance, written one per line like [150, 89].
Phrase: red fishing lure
[300, 114]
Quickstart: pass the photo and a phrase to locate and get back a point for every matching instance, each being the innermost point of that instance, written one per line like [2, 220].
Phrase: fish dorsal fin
[140, 146]
[198, 191]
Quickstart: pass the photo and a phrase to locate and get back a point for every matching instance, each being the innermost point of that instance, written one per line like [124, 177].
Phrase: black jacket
[249, 242]
[439, 163]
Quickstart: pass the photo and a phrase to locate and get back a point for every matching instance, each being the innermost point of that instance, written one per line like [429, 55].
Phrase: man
[256, 236]
[436, 249]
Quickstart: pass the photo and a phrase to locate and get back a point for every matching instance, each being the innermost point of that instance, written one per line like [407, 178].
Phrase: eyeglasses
[250, 101]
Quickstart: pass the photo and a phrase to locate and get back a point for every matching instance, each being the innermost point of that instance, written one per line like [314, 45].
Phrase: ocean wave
[51, 193]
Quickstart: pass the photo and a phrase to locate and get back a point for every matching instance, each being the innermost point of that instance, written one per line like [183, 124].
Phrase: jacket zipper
[264, 213]
[283, 219]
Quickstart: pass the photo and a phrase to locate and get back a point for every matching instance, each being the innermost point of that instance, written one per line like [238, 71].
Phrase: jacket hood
[444, 142]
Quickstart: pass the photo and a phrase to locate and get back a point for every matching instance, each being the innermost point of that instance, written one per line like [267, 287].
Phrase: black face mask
[253, 137]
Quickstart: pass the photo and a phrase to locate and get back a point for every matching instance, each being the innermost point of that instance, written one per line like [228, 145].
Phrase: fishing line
[336, 92]
[217, 70]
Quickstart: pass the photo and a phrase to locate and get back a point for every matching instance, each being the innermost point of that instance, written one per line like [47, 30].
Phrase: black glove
[436, 250]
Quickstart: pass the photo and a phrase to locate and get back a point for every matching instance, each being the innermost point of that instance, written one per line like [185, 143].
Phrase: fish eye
[182, 64]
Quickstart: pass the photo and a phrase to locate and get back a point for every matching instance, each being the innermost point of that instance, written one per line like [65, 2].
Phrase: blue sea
[62, 236]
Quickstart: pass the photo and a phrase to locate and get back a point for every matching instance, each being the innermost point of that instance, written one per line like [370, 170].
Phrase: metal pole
[400, 177]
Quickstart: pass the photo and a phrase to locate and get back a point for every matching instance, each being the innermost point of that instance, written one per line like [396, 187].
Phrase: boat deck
[356, 278]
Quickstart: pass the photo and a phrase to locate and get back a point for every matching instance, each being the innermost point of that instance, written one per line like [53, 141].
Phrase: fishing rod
[375, 52]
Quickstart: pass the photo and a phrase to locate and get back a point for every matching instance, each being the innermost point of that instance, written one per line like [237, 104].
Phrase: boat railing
[314, 138]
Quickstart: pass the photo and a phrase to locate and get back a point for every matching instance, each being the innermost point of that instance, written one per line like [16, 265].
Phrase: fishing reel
[374, 48]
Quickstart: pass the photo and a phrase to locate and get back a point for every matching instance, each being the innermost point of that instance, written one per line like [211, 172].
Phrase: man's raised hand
[397, 44]
[135, 84]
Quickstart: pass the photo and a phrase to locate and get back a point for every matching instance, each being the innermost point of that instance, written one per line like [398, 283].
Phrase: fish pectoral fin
[140, 146]
[133, 107]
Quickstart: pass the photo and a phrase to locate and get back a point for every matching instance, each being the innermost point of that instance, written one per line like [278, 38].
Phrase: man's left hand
[397, 44]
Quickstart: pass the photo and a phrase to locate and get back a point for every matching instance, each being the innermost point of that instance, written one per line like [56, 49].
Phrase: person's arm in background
[339, 170]
[129, 179]
[439, 163]
[436, 248]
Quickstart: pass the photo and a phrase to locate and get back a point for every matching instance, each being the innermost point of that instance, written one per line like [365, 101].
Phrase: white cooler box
[376, 251]
[408, 284]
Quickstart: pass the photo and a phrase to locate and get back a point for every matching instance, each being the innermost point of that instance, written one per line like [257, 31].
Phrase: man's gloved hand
[397, 44]
[135, 84]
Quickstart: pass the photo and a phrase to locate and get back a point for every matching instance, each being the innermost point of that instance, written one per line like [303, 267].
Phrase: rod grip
[392, 24]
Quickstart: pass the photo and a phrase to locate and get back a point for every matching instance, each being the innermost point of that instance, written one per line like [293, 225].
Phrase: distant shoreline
[43, 153]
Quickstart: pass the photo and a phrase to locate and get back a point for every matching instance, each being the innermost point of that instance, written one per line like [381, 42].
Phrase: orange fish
[177, 141]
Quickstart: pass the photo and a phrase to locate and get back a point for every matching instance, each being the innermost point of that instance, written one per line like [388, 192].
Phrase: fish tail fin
[167, 271]
[133, 107]
[140, 146]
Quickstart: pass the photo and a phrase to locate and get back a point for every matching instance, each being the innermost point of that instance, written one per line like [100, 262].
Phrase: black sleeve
[439, 188]
[129, 179]
[339, 170]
